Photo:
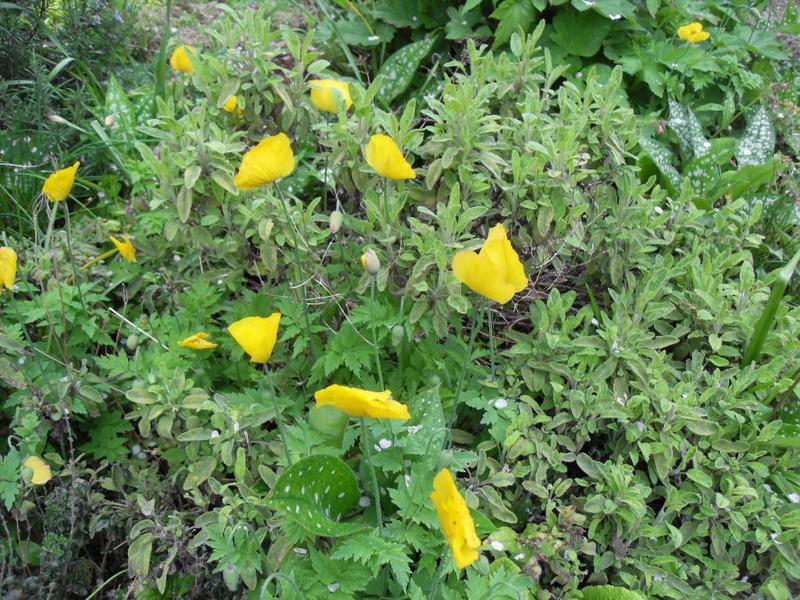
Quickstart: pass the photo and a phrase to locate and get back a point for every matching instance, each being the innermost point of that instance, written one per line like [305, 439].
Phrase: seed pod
[335, 222]
[371, 262]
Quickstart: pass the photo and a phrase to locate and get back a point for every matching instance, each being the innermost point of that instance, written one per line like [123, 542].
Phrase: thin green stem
[72, 259]
[105, 583]
[374, 333]
[278, 417]
[297, 265]
[437, 580]
[477, 320]
[325, 175]
[376, 492]
[492, 349]
[386, 203]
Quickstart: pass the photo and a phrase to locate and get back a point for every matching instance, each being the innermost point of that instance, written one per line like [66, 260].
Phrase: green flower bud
[335, 222]
[371, 262]
[397, 335]
[132, 342]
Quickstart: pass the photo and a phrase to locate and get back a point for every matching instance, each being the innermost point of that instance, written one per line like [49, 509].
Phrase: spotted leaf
[398, 70]
[757, 144]
[317, 492]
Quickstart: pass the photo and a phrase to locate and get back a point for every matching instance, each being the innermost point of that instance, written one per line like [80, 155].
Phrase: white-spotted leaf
[316, 492]
[689, 131]
[398, 70]
[757, 144]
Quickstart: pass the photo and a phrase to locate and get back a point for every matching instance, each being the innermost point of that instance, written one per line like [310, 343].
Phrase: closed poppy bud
[57, 119]
[371, 262]
[383, 155]
[180, 59]
[132, 342]
[257, 336]
[59, 184]
[270, 160]
[230, 104]
[41, 470]
[327, 94]
[397, 335]
[110, 120]
[496, 271]
[335, 222]
[8, 268]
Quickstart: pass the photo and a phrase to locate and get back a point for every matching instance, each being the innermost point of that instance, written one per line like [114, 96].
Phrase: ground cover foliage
[626, 426]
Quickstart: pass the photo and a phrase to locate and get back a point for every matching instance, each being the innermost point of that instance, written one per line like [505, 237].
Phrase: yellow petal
[257, 335]
[59, 184]
[690, 32]
[328, 94]
[197, 342]
[180, 60]
[362, 403]
[455, 520]
[230, 104]
[496, 272]
[384, 156]
[270, 160]
[8, 267]
[125, 248]
[41, 470]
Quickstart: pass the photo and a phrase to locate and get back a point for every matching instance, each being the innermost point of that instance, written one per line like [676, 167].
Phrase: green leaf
[398, 70]
[662, 159]
[757, 144]
[700, 477]
[609, 592]
[512, 14]
[580, 33]
[399, 14]
[690, 134]
[316, 492]
[767, 318]
[139, 554]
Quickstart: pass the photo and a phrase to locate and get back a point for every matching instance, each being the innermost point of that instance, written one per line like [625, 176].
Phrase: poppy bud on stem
[371, 262]
[335, 222]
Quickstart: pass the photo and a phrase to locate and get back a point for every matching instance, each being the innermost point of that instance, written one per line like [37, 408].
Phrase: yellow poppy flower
[693, 33]
[257, 336]
[59, 184]
[385, 157]
[270, 160]
[180, 60]
[125, 248]
[41, 470]
[8, 268]
[454, 517]
[327, 94]
[230, 104]
[496, 271]
[197, 341]
[362, 403]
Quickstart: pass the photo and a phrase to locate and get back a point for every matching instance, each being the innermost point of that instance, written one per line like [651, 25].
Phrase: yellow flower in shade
[257, 335]
[454, 517]
[693, 33]
[41, 470]
[385, 157]
[362, 403]
[197, 341]
[180, 60]
[125, 248]
[59, 184]
[496, 271]
[328, 94]
[270, 160]
[230, 104]
[8, 268]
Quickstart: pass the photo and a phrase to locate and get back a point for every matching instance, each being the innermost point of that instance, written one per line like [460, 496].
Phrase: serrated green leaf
[580, 33]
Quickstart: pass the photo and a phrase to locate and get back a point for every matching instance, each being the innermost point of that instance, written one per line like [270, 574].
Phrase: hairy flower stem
[437, 580]
[477, 321]
[374, 334]
[297, 266]
[72, 258]
[278, 417]
[365, 444]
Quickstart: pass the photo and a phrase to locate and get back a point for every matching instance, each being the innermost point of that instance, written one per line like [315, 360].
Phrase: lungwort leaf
[398, 70]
